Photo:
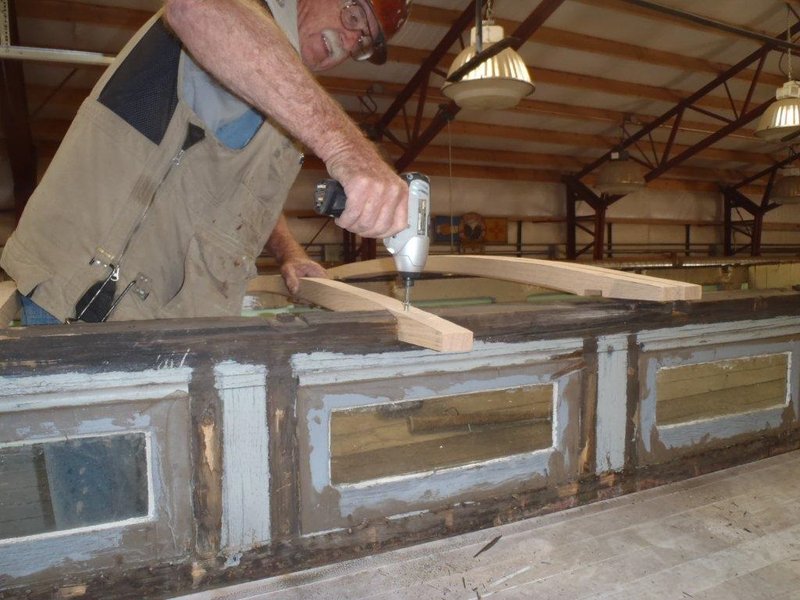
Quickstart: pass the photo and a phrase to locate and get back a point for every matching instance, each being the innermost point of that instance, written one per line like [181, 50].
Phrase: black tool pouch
[95, 304]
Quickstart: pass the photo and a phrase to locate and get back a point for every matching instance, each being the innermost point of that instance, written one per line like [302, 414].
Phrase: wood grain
[580, 279]
[413, 325]
[719, 388]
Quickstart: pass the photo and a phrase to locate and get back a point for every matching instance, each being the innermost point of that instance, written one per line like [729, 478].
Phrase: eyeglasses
[354, 18]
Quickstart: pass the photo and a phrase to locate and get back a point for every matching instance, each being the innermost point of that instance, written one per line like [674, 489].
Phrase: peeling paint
[612, 392]
[242, 389]
[659, 441]
[333, 504]
[320, 368]
[36, 556]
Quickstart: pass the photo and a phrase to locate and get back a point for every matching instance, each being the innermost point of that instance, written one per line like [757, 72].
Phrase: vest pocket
[216, 272]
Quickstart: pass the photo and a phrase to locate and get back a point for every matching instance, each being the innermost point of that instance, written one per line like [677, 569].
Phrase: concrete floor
[733, 534]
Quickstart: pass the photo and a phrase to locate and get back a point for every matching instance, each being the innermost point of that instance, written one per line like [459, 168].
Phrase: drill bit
[407, 295]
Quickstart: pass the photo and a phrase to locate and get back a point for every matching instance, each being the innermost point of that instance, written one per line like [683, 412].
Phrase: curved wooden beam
[413, 325]
[575, 278]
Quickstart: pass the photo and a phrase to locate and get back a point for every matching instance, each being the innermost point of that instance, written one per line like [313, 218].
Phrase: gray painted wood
[612, 380]
[245, 481]
[732, 534]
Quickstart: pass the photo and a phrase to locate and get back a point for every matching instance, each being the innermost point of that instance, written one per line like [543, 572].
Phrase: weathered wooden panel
[128, 428]
[545, 379]
[409, 437]
[219, 518]
[725, 387]
[704, 385]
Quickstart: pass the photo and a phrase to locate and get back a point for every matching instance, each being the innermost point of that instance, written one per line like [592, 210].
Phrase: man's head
[333, 30]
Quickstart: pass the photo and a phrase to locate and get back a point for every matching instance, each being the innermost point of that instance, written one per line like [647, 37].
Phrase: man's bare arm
[239, 44]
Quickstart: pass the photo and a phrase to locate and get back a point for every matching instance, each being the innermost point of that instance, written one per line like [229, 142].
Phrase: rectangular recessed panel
[67, 484]
[719, 388]
[418, 436]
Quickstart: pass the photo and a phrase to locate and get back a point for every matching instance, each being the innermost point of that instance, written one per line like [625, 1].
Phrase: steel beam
[422, 75]
[666, 165]
[688, 102]
[733, 200]
[577, 191]
[713, 24]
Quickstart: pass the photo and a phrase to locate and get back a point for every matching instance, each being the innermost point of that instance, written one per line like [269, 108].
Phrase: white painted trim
[691, 433]
[39, 392]
[690, 336]
[324, 368]
[245, 472]
[612, 394]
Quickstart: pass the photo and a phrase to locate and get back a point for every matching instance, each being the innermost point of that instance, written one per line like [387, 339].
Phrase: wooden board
[720, 388]
[413, 325]
[575, 278]
[9, 303]
[387, 440]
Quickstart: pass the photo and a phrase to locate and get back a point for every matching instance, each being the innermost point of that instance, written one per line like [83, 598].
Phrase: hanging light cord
[788, 37]
[450, 184]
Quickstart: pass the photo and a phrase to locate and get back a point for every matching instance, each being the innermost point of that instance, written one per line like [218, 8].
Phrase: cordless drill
[409, 248]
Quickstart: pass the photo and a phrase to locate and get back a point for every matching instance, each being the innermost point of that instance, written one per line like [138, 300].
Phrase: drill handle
[329, 198]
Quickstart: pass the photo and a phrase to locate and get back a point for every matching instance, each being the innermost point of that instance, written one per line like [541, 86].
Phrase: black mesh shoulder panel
[144, 88]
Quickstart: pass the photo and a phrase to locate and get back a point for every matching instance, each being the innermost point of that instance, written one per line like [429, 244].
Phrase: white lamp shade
[787, 188]
[497, 83]
[782, 117]
[620, 177]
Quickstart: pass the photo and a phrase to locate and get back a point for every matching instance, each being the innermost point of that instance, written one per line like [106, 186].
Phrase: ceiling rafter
[742, 119]
[54, 130]
[581, 140]
[430, 95]
[114, 16]
[72, 97]
[620, 6]
[443, 169]
[582, 81]
[561, 38]
[80, 12]
[66, 9]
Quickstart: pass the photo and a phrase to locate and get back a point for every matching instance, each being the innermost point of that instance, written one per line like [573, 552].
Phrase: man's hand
[377, 198]
[294, 268]
[293, 260]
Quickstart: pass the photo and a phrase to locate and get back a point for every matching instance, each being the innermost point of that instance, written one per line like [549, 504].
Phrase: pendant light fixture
[620, 175]
[787, 188]
[497, 79]
[782, 117]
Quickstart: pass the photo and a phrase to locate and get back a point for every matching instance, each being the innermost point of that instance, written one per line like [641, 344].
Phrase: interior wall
[515, 199]
[510, 199]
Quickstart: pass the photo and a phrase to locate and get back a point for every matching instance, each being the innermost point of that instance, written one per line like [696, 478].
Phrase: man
[173, 173]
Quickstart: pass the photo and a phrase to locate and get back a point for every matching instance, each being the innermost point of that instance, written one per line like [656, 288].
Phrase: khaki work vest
[182, 215]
